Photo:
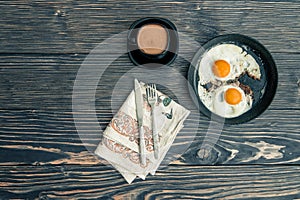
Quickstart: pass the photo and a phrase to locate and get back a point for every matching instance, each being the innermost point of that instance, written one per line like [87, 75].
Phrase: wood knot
[204, 153]
[208, 155]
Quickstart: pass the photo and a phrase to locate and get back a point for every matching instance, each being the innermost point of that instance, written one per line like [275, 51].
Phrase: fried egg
[226, 62]
[226, 101]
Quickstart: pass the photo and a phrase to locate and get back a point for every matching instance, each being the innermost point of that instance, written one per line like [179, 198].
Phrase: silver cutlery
[139, 102]
[152, 100]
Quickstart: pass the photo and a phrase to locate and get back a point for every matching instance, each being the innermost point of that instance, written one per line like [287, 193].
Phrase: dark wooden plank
[78, 26]
[36, 114]
[267, 139]
[43, 44]
[174, 182]
[46, 82]
[50, 137]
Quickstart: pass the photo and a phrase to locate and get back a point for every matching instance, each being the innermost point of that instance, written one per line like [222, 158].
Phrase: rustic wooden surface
[43, 44]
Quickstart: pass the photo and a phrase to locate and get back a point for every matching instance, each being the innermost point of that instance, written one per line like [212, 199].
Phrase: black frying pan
[263, 89]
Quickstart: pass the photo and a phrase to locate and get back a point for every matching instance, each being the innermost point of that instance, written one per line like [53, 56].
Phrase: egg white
[215, 102]
[222, 108]
[238, 59]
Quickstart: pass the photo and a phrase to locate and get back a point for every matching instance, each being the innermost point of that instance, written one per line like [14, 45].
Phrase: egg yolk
[233, 96]
[221, 68]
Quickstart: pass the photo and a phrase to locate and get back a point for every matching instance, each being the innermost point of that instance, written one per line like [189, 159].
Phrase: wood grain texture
[37, 115]
[78, 26]
[43, 44]
[174, 182]
[46, 82]
[50, 137]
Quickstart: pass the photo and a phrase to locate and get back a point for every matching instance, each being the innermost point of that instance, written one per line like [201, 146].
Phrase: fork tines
[152, 100]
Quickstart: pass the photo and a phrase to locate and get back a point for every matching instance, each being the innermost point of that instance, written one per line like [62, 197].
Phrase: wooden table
[43, 44]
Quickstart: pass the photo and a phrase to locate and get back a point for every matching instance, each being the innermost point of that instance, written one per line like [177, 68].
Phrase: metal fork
[152, 100]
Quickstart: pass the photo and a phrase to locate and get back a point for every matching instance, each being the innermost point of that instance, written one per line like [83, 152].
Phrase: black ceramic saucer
[138, 57]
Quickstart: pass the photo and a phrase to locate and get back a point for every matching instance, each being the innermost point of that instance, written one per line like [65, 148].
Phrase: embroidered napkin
[120, 144]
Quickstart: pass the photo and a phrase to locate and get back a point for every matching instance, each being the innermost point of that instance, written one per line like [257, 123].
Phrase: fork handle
[155, 135]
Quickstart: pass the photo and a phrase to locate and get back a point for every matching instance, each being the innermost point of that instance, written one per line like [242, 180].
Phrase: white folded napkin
[120, 144]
